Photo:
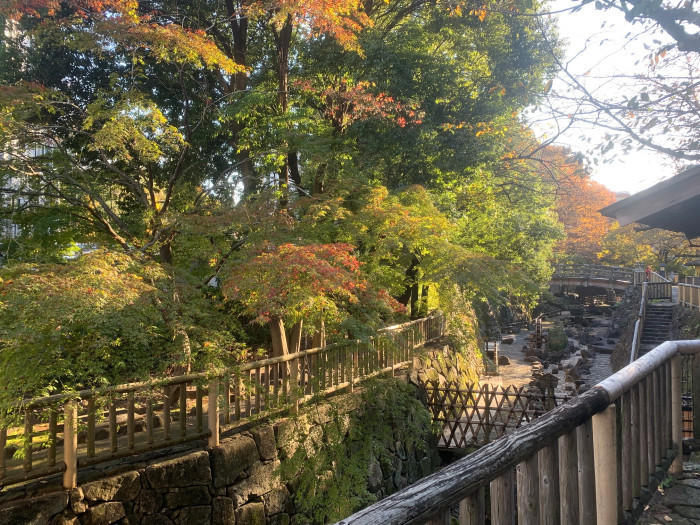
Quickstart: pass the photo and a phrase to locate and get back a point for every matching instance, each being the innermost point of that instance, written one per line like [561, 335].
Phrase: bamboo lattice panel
[473, 415]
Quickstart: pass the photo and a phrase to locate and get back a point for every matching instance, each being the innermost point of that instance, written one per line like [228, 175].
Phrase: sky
[603, 52]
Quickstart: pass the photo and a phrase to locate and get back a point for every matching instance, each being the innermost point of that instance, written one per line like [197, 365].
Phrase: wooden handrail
[646, 394]
[265, 387]
[639, 324]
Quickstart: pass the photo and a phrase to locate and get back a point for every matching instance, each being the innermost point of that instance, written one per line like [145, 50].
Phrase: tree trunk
[239, 32]
[166, 253]
[319, 340]
[295, 337]
[415, 300]
[279, 337]
[283, 39]
[423, 309]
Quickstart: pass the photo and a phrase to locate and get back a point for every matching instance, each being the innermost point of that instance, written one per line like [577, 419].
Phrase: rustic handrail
[194, 406]
[639, 324]
[583, 436]
[689, 295]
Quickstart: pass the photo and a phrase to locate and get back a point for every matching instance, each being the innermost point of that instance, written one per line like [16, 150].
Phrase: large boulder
[262, 479]
[124, 487]
[264, 437]
[251, 514]
[35, 511]
[231, 458]
[185, 471]
[104, 513]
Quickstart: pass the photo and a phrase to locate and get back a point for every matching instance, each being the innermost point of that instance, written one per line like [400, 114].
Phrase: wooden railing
[639, 324]
[565, 466]
[593, 271]
[64, 432]
[689, 295]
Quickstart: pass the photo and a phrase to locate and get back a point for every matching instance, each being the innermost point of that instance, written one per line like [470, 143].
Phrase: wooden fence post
[528, 488]
[503, 499]
[676, 416]
[696, 394]
[213, 412]
[586, 473]
[568, 479]
[605, 461]
[70, 444]
[472, 509]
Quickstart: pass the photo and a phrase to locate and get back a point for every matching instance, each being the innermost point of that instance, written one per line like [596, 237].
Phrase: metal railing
[565, 466]
[64, 432]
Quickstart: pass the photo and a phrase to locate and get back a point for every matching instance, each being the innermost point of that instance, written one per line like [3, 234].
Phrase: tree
[636, 244]
[292, 284]
[652, 104]
[578, 201]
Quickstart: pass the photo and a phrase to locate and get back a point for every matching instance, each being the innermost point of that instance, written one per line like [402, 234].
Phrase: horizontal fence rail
[586, 461]
[64, 432]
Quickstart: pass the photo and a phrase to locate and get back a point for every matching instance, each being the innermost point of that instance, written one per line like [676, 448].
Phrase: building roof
[672, 204]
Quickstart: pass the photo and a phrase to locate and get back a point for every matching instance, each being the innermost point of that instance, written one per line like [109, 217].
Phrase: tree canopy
[343, 164]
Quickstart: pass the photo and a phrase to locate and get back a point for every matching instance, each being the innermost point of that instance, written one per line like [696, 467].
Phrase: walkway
[680, 503]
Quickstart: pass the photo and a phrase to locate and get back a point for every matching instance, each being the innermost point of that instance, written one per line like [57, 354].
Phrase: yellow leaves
[480, 13]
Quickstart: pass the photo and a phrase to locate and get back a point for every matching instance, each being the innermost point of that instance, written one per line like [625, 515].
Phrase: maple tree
[295, 284]
[578, 201]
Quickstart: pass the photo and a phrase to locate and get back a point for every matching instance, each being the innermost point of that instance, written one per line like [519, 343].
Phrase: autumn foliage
[578, 201]
[310, 282]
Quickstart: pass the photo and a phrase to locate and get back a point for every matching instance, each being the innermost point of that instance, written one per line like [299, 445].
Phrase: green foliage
[556, 338]
[103, 319]
[329, 469]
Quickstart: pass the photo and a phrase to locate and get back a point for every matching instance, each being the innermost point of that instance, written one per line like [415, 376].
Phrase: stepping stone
[682, 495]
[695, 483]
[687, 512]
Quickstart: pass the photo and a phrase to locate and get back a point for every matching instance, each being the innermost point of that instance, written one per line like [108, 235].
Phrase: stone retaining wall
[238, 482]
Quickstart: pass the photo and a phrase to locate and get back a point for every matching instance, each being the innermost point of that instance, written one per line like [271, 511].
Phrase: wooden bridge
[572, 276]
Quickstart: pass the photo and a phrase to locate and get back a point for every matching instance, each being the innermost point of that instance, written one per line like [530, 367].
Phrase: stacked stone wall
[238, 482]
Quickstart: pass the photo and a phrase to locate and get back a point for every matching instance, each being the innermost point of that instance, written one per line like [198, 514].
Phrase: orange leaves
[297, 281]
[345, 103]
[578, 200]
[120, 22]
[15, 9]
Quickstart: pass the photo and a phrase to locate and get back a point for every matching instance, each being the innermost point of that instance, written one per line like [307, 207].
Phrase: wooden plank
[166, 414]
[130, 423]
[643, 440]
[227, 399]
[3, 444]
[213, 412]
[502, 490]
[548, 467]
[626, 449]
[149, 420]
[237, 396]
[605, 456]
[472, 509]
[568, 479]
[634, 435]
[183, 410]
[70, 445]
[53, 431]
[442, 517]
[658, 415]
[258, 390]
[90, 438]
[651, 422]
[677, 416]
[28, 438]
[586, 473]
[199, 408]
[528, 491]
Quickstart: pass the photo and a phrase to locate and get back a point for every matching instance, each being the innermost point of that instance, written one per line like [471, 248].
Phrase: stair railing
[639, 324]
